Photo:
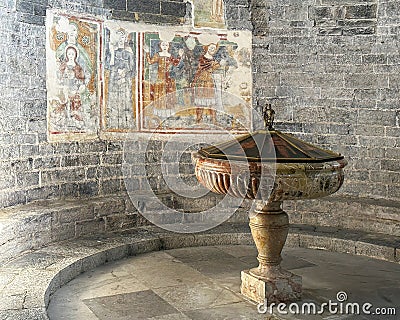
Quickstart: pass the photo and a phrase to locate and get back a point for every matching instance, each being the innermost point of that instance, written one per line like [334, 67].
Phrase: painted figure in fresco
[72, 81]
[72, 39]
[162, 92]
[206, 86]
[122, 65]
[217, 13]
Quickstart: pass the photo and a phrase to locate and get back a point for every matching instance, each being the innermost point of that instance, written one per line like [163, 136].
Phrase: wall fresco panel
[192, 80]
[120, 74]
[73, 49]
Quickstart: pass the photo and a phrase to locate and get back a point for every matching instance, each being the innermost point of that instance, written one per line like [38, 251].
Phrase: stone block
[293, 240]
[131, 184]
[56, 176]
[245, 239]
[111, 158]
[70, 272]
[89, 160]
[117, 253]
[114, 146]
[24, 6]
[62, 232]
[90, 188]
[172, 241]
[367, 11]
[314, 242]
[89, 227]
[147, 245]
[46, 192]
[340, 2]
[272, 290]
[93, 146]
[366, 81]
[393, 132]
[46, 162]
[173, 8]
[39, 10]
[374, 58]
[232, 12]
[107, 172]
[109, 207]
[375, 251]
[321, 12]
[12, 198]
[390, 165]
[92, 173]
[115, 4]
[27, 179]
[70, 161]
[148, 6]
[359, 31]
[93, 261]
[119, 222]
[343, 246]
[111, 186]
[69, 190]
[353, 23]
[74, 213]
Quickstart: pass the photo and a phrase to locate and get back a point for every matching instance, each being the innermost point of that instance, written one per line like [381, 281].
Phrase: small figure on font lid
[269, 116]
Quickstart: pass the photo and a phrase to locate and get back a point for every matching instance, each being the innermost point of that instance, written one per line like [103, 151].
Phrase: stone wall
[330, 69]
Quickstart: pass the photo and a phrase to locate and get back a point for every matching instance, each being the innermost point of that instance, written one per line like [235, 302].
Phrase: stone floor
[204, 283]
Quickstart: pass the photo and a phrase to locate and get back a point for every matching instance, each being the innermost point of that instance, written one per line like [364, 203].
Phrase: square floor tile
[290, 262]
[130, 306]
[240, 251]
[213, 263]
[197, 296]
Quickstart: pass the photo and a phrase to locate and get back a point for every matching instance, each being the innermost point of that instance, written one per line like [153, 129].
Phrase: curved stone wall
[330, 72]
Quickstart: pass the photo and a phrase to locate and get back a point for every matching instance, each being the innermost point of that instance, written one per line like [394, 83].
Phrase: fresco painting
[119, 79]
[188, 81]
[209, 14]
[111, 77]
[72, 75]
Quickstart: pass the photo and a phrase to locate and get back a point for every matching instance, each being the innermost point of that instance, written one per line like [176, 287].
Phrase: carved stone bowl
[278, 181]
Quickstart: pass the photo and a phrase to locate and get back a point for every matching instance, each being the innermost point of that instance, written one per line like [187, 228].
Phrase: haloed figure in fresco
[83, 57]
[206, 85]
[162, 92]
[74, 72]
[122, 65]
[72, 81]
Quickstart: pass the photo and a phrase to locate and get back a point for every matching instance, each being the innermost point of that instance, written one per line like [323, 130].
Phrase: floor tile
[214, 263]
[130, 306]
[197, 296]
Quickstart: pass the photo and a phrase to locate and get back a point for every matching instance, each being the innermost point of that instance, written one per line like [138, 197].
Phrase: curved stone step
[28, 281]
